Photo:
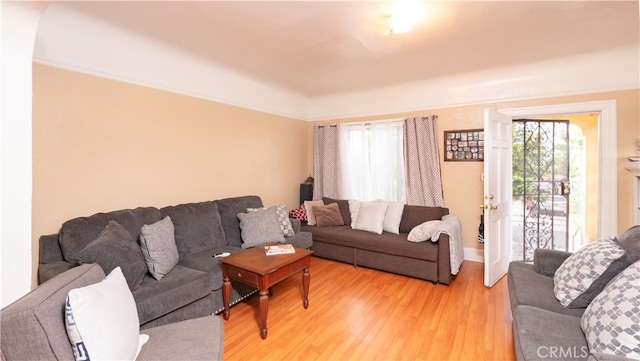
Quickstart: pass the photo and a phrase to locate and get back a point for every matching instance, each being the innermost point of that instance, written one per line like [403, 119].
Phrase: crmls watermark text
[560, 352]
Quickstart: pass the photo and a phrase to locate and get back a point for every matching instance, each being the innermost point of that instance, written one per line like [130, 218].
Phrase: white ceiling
[317, 48]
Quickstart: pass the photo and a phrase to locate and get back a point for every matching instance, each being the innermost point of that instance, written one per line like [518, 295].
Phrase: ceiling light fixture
[399, 25]
[403, 14]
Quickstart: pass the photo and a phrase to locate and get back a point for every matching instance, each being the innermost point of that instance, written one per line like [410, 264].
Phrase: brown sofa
[387, 251]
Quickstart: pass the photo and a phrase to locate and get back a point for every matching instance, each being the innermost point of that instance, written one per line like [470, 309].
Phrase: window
[372, 161]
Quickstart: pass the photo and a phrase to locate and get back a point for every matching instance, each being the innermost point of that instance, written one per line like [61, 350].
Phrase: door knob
[493, 206]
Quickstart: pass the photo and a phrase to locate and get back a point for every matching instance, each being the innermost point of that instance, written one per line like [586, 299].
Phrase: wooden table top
[256, 260]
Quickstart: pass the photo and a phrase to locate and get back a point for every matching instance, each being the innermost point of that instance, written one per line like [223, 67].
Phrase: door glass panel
[541, 186]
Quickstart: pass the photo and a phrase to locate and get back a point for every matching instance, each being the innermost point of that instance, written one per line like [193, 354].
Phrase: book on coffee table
[279, 249]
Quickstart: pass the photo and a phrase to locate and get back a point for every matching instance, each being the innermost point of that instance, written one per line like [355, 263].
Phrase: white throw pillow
[311, 219]
[393, 217]
[576, 274]
[371, 217]
[102, 320]
[611, 322]
[354, 207]
[423, 231]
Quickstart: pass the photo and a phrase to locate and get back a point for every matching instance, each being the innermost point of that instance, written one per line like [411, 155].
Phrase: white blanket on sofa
[452, 227]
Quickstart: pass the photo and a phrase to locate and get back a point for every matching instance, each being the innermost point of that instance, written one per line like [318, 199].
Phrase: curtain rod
[363, 123]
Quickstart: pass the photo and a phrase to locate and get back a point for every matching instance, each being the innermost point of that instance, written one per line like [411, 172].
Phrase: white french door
[497, 195]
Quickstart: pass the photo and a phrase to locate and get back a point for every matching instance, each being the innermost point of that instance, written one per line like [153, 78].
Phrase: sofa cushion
[177, 288]
[343, 204]
[260, 227]
[541, 334]
[115, 247]
[371, 217]
[102, 321]
[528, 287]
[76, 233]
[195, 339]
[585, 273]
[308, 205]
[328, 215]
[611, 323]
[283, 219]
[32, 328]
[197, 227]
[229, 209]
[205, 262]
[394, 244]
[630, 242]
[158, 245]
[415, 215]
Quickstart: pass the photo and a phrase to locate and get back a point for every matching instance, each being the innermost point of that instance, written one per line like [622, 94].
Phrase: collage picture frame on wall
[464, 145]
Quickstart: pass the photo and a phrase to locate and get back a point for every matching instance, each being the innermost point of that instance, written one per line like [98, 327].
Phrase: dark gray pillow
[158, 246]
[116, 247]
[630, 242]
[76, 233]
[260, 227]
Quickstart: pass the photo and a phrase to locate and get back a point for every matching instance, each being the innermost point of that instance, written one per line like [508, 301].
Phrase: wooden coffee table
[255, 268]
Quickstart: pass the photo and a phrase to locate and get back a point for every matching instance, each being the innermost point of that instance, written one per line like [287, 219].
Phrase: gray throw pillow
[630, 242]
[260, 227]
[116, 247]
[158, 245]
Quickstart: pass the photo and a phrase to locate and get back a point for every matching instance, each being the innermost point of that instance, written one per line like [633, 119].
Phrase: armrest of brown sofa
[547, 261]
[444, 260]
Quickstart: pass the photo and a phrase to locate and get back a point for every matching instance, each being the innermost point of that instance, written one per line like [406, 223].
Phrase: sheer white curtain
[372, 161]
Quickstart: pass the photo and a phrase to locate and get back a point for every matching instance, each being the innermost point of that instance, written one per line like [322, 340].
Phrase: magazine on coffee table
[279, 249]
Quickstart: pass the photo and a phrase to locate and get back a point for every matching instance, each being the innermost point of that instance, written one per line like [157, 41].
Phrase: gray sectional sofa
[193, 288]
[387, 251]
[33, 327]
[545, 329]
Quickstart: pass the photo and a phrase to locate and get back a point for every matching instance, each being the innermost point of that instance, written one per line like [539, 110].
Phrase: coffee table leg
[305, 287]
[264, 309]
[226, 296]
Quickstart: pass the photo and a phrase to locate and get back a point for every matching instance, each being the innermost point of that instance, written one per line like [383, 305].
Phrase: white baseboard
[474, 254]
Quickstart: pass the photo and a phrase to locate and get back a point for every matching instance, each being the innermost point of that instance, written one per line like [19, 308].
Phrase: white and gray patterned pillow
[582, 269]
[283, 219]
[611, 323]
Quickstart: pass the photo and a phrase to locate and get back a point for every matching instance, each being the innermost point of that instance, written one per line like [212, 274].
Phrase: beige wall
[102, 145]
[463, 188]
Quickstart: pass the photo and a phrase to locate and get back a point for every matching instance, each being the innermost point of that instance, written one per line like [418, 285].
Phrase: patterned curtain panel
[422, 162]
[327, 170]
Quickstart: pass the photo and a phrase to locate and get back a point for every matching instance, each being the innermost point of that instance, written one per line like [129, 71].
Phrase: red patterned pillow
[299, 213]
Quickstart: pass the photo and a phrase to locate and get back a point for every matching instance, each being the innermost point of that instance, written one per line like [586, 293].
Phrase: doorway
[541, 186]
[605, 216]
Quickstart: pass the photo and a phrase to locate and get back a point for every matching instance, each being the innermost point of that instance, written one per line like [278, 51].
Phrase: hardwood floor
[364, 314]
